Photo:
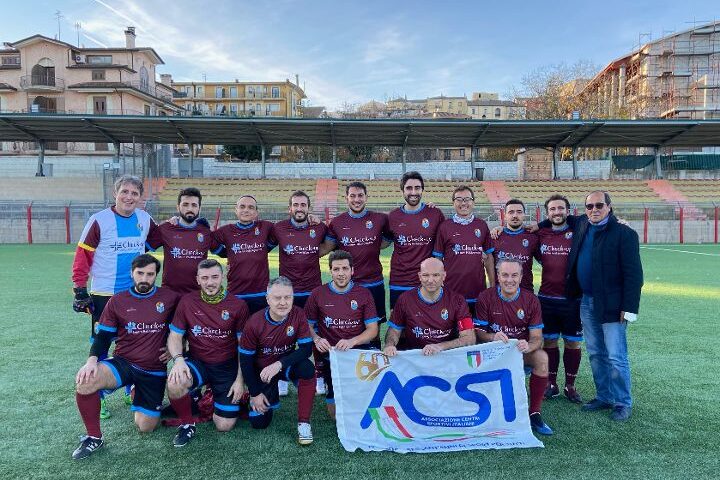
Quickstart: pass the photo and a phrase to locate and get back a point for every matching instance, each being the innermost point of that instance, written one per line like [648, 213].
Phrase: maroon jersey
[300, 254]
[553, 254]
[183, 249]
[269, 340]
[514, 317]
[212, 330]
[427, 322]
[340, 315]
[461, 248]
[520, 246]
[247, 249]
[414, 237]
[362, 235]
[140, 323]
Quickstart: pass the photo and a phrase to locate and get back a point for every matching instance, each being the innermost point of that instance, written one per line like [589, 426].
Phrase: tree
[362, 153]
[243, 152]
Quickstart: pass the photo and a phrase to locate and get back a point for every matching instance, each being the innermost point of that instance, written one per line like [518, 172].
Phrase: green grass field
[674, 357]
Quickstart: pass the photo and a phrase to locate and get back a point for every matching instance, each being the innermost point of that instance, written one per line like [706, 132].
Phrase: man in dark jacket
[604, 269]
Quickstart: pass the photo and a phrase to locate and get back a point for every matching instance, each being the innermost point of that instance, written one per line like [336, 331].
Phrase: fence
[47, 222]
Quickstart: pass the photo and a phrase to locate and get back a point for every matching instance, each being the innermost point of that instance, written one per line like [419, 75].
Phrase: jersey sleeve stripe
[396, 327]
[372, 320]
[535, 327]
[480, 323]
[245, 352]
[490, 250]
[85, 246]
[304, 340]
[177, 330]
[437, 254]
[106, 328]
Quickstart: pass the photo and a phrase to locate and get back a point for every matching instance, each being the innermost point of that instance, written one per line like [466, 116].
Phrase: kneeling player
[213, 322]
[138, 317]
[342, 315]
[268, 353]
[511, 312]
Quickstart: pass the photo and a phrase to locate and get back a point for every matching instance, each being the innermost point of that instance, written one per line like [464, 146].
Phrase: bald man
[433, 318]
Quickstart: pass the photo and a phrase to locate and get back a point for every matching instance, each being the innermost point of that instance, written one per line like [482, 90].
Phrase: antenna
[78, 26]
[58, 15]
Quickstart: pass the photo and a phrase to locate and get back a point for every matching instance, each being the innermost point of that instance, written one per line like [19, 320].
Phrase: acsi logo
[525, 242]
[312, 233]
[196, 330]
[130, 327]
[369, 365]
[289, 249]
[200, 237]
[369, 224]
[425, 223]
[474, 359]
[478, 233]
[444, 314]
[225, 315]
[289, 331]
[160, 307]
[353, 304]
[521, 313]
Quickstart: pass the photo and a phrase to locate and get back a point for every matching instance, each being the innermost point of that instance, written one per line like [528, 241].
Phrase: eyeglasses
[598, 205]
[463, 199]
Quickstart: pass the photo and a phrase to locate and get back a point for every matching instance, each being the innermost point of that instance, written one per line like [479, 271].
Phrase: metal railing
[42, 81]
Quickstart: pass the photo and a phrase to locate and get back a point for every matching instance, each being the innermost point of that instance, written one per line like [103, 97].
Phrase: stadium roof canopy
[387, 132]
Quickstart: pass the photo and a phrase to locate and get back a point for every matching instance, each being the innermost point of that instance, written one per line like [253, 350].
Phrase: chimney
[130, 37]
[166, 79]
[297, 80]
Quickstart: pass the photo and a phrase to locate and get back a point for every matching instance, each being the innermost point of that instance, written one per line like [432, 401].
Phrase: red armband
[465, 324]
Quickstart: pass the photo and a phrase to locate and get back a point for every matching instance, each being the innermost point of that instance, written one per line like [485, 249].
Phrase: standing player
[463, 242]
[434, 318]
[212, 323]
[511, 312]
[110, 241]
[138, 317]
[342, 315]
[268, 352]
[413, 227]
[515, 243]
[561, 315]
[185, 244]
[246, 244]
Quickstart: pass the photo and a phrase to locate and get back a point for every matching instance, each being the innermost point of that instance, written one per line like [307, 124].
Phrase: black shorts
[378, 294]
[255, 304]
[149, 385]
[473, 312]
[220, 378]
[327, 373]
[561, 317]
[395, 294]
[302, 369]
[99, 302]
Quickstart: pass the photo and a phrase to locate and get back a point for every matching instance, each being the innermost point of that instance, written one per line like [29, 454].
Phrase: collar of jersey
[413, 212]
[143, 295]
[511, 232]
[463, 221]
[561, 229]
[270, 320]
[499, 292]
[358, 215]
[123, 216]
[428, 302]
[244, 227]
[188, 227]
[332, 289]
[298, 226]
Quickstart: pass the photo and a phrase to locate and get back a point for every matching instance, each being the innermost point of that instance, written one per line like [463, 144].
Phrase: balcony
[42, 83]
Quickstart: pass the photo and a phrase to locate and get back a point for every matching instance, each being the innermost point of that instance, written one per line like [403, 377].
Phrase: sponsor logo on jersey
[413, 240]
[425, 223]
[289, 249]
[353, 304]
[128, 246]
[178, 252]
[444, 314]
[141, 327]
[246, 247]
[369, 224]
[457, 248]
[300, 249]
[430, 332]
[521, 313]
[225, 315]
[160, 307]
[200, 237]
[199, 331]
[289, 331]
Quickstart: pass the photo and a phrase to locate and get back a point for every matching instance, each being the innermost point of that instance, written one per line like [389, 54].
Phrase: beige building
[457, 105]
[488, 106]
[42, 75]
[676, 76]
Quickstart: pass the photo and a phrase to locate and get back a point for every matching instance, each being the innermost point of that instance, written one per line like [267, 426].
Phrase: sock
[537, 391]
[306, 397]
[571, 360]
[89, 408]
[183, 408]
[128, 389]
[553, 354]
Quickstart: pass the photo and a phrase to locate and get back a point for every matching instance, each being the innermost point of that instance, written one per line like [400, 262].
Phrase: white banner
[467, 398]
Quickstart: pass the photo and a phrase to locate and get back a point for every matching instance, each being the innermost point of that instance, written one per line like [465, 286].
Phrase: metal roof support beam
[407, 135]
[181, 133]
[41, 160]
[569, 136]
[588, 135]
[404, 159]
[574, 163]
[21, 129]
[192, 159]
[555, 156]
[658, 166]
[262, 161]
[102, 131]
[472, 162]
[480, 134]
[334, 150]
[257, 134]
[679, 134]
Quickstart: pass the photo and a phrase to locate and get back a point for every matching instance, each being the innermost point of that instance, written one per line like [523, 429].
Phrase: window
[233, 109]
[98, 74]
[188, 91]
[144, 79]
[13, 60]
[99, 59]
[272, 108]
[147, 109]
[275, 92]
[233, 92]
[200, 92]
[462, 153]
[473, 111]
[497, 112]
[219, 92]
[251, 91]
[447, 154]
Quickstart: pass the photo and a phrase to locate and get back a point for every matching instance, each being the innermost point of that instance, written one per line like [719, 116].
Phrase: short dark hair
[606, 194]
[209, 263]
[337, 255]
[514, 201]
[355, 185]
[411, 176]
[142, 261]
[462, 188]
[190, 192]
[298, 193]
[557, 196]
[133, 180]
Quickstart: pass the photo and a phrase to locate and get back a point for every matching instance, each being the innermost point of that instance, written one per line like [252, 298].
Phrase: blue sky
[355, 51]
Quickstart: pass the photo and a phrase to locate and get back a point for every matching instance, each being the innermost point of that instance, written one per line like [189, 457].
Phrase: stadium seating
[49, 189]
[621, 191]
[699, 191]
[226, 191]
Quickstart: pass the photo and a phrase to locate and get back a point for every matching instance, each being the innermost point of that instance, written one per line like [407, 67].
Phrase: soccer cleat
[320, 386]
[620, 413]
[184, 434]
[104, 410]
[594, 405]
[305, 436]
[572, 394]
[87, 447]
[551, 391]
[538, 426]
[282, 388]
[129, 393]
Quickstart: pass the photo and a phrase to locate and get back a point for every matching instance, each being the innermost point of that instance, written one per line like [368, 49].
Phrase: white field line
[680, 251]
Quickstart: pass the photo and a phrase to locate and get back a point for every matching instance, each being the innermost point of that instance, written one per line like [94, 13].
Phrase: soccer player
[343, 316]
[185, 244]
[110, 241]
[463, 243]
[138, 317]
[212, 322]
[561, 315]
[412, 227]
[515, 243]
[268, 352]
[433, 317]
[510, 312]
[246, 244]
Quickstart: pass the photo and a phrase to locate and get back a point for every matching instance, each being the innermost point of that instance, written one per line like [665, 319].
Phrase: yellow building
[488, 106]
[457, 105]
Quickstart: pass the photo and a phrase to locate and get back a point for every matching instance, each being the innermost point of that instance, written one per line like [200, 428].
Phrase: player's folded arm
[102, 341]
[301, 353]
